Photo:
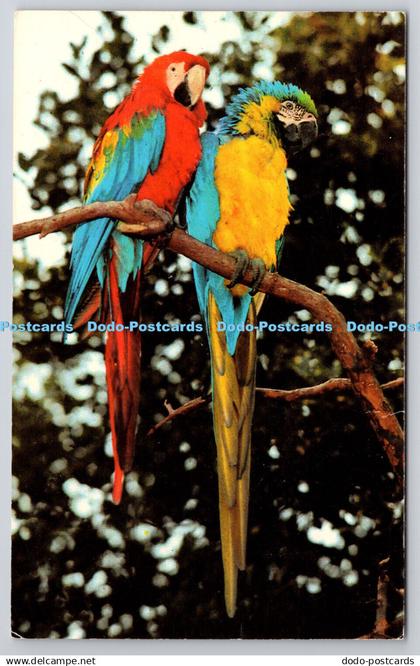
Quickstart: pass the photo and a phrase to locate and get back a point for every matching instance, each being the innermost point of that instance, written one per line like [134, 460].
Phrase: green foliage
[323, 512]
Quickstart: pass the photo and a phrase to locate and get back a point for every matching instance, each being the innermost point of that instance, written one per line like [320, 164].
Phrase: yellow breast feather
[254, 197]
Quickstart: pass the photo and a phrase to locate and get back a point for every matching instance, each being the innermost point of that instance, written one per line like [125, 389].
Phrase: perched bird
[149, 146]
[239, 203]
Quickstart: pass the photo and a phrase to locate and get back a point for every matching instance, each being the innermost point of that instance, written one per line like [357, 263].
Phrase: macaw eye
[288, 105]
[173, 68]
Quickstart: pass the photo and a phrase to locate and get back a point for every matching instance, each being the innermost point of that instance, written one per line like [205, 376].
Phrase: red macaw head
[181, 76]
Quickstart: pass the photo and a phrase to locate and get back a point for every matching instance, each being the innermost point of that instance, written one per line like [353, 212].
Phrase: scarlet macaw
[149, 145]
[239, 204]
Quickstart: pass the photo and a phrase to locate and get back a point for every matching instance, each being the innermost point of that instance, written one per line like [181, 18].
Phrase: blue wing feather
[202, 214]
[132, 158]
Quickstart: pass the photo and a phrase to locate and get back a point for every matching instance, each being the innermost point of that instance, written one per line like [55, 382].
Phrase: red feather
[122, 361]
[123, 372]
[182, 149]
[180, 156]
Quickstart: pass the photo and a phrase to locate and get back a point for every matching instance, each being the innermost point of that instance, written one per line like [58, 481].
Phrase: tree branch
[141, 217]
[145, 219]
[291, 395]
[335, 384]
[383, 628]
[187, 407]
[381, 623]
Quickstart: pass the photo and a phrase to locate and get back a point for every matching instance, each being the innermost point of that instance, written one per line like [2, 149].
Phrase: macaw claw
[161, 240]
[258, 270]
[243, 263]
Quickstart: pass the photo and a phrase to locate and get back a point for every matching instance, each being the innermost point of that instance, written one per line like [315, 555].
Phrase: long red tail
[122, 358]
[123, 363]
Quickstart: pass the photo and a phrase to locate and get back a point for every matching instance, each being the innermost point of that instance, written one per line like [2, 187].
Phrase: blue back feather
[203, 212]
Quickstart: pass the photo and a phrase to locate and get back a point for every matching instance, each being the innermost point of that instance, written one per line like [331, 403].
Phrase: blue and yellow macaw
[239, 204]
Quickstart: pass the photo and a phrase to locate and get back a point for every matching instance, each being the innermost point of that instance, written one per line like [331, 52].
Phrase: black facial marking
[308, 132]
[182, 94]
[294, 137]
[288, 134]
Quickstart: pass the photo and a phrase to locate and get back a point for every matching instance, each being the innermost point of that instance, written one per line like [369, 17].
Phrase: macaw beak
[189, 91]
[196, 78]
[297, 134]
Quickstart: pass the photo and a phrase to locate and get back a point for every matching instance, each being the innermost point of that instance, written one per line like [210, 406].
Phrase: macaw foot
[258, 271]
[146, 219]
[243, 263]
[161, 240]
[241, 266]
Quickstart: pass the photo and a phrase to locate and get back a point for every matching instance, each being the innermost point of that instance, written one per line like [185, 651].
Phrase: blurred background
[324, 511]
